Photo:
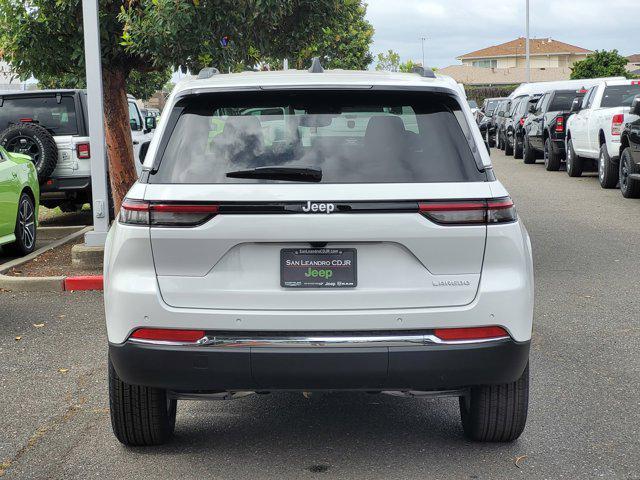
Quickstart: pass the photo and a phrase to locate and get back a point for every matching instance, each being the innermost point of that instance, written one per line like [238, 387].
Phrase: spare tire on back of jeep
[33, 140]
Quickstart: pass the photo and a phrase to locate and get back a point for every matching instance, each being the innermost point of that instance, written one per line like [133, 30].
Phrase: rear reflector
[135, 212]
[168, 335]
[474, 333]
[616, 124]
[83, 150]
[499, 210]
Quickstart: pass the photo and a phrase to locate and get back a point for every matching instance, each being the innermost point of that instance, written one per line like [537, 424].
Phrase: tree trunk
[122, 170]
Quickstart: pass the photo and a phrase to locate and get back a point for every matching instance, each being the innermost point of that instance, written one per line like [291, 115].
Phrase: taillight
[470, 334]
[616, 124]
[559, 125]
[167, 335]
[83, 150]
[522, 122]
[135, 212]
[473, 212]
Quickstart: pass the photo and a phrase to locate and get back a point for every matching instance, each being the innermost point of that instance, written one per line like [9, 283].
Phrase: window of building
[485, 63]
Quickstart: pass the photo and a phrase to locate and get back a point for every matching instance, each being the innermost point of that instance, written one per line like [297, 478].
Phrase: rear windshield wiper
[293, 174]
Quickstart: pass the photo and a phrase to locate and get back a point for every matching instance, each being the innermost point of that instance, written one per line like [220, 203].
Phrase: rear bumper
[63, 187]
[418, 367]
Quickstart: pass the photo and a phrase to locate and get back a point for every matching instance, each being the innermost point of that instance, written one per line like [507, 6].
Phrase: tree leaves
[601, 63]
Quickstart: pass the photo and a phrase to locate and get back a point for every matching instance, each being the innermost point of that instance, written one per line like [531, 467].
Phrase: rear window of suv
[60, 118]
[351, 136]
[619, 95]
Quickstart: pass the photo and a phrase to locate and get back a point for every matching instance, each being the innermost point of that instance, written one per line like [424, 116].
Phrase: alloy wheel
[624, 174]
[24, 145]
[26, 223]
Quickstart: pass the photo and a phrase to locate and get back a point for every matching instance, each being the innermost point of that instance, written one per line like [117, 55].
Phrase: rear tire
[608, 172]
[508, 148]
[33, 140]
[574, 162]
[629, 187]
[496, 413]
[529, 153]
[25, 230]
[551, 158]
[140, 416]
[517, 148]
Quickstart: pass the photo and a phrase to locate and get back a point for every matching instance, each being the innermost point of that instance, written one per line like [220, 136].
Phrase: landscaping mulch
[53, 263]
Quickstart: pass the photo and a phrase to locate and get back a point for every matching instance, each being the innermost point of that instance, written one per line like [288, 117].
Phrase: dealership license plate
[318, 268]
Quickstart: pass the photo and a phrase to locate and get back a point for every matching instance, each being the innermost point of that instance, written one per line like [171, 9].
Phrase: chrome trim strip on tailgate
[230, 341]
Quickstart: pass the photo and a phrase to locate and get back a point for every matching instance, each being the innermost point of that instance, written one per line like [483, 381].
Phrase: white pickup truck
[593, 131]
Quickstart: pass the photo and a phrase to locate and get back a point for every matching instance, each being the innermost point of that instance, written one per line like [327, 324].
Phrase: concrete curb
[55, 233]
[36, 284]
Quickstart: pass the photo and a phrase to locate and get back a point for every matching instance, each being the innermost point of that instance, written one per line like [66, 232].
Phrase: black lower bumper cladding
[429, 367]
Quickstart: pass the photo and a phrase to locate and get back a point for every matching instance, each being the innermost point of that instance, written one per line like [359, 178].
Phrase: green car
[19, 195]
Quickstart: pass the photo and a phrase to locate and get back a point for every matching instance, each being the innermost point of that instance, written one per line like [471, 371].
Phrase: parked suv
[594, 131]
[51, 127]
[544, 127]
[502, 112]
[489, 122]
[514, 125]
[629, 174]
[300, 231]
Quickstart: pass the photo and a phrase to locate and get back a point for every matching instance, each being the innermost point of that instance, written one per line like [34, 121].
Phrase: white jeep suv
[301, 231]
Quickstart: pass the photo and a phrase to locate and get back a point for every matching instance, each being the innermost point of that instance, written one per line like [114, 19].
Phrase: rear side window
[351, 136]
[563, 100]
[60, 118]
[619, 95]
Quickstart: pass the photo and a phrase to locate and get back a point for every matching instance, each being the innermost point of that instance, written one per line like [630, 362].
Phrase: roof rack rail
[423, 72]
[316, 66]
[207, 72]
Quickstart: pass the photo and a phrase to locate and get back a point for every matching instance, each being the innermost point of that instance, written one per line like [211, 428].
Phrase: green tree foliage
[389, 61]
[44, 38]
[144, 85]
[408, 66]
[601, 63]
[344, 42]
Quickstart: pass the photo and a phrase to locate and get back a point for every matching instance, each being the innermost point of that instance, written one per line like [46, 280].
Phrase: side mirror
[144, 148]
[532, 108]
[635, 106]
[576, 106]
[150, 123]
[501, 113]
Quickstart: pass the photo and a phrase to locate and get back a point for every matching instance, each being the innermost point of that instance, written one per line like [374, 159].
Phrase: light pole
[528, 54]
[423, 40]
[99, 198]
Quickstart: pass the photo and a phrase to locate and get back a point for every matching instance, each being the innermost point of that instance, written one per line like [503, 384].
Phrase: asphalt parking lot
[584, 419]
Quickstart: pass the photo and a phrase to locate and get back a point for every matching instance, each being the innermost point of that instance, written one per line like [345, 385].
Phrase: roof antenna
[423, 72]
[208, 72]
[316, 66]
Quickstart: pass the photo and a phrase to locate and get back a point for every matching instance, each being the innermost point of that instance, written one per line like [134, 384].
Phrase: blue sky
[455, 27]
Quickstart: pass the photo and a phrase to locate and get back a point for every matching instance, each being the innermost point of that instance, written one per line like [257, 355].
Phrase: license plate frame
[342, 275]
